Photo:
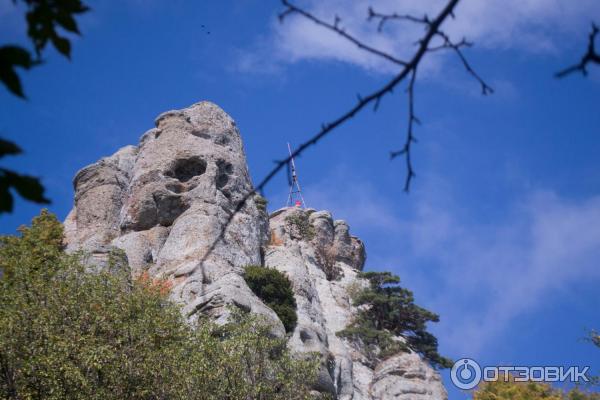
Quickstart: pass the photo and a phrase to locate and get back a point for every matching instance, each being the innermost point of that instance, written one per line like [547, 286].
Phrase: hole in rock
[222, 180]
[224, 170]
[185, 169]
[305, 335]
[201, 133]
[222, 139]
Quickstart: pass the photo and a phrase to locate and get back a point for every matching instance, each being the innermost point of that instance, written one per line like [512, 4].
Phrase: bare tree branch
[408, 68]
[335, 27]
[383, 18]
[410, 138]
[591, 56]
[448, 44]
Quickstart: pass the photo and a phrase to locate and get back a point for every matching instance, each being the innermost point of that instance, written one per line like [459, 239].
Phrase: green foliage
[261, 203]
[27, 186]
[387, 310]
[376, 344]
[354, 289]
[578, 394]
[275, 290]
[12, 57]
[508, 389]
[36, 252]
[299, 226]
[243, 361]
[43, 18]
[594, 338]
[69, 334]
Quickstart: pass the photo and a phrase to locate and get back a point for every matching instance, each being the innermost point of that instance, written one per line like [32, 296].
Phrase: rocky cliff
[165, 203]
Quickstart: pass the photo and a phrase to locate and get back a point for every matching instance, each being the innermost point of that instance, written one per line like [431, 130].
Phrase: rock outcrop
[323, 260]
[166, 201]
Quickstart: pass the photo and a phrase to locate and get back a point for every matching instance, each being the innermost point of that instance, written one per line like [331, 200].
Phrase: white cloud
[508, 267]
[478, 275]
[527, 25]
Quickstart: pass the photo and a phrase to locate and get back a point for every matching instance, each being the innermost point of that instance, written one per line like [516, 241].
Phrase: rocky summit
[165, 203]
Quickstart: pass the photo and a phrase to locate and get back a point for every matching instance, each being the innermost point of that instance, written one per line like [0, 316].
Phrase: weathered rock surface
[165, 203]
[323, 260]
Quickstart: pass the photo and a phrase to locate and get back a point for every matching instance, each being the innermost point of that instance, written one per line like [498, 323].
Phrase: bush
[275, 290]
[299, 226]
[376, 344]
[505, 388]
[261, 203]
[69, 334]
[386, 311]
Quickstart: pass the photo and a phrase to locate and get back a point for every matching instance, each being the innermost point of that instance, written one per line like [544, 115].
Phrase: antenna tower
[295, 198]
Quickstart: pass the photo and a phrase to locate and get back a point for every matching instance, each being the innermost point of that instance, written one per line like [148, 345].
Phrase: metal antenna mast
[295, 197]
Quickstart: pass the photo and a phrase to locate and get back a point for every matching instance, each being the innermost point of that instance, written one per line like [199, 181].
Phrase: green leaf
[11, 80]
[67, 21]
[11, 57]
[77, 334]
[8, 148]
[62, 45]
[15, 55]
[28, 187]
[43, 18]
[6, 198]
[391, 311]
[275, 290]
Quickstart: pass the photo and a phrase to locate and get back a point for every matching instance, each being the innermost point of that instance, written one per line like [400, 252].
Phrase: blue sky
[501, 232]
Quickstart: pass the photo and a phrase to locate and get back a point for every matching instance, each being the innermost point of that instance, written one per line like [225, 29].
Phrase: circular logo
[465, 373]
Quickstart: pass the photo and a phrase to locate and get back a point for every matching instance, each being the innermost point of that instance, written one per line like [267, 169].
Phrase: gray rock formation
[323, 260]
[166, 201]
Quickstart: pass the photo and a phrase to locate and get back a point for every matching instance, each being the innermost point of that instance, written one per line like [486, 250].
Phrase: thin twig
[383, 18]
[374, 98]
[591, 56]
[410, 138]
[485, 88]
[335, 27]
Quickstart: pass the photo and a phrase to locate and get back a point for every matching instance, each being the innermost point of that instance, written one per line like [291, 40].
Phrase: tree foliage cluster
[275, 290]
[508, 389]
[67, 333]
[45, 20]
[261, 203]
[299, 226]
[594, 338]
[387, 311]
[28, 187]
